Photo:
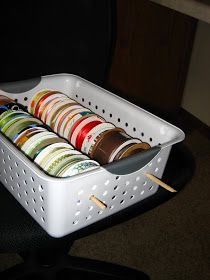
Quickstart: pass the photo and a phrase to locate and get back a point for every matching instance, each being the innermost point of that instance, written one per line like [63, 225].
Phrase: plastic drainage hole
[150, 139]
[132, 197]
[94, 187]
[111, 207]
[90, 208]
[5, 180]
[5, 171]
[43, 219]
[142, 134]
[32, 179]
[33, 190]
[18, 185]
[96, 107]
[9, 157]
[80, 192]
[156, 169]
[16, 164]
[10, 167]
[159, 159]
[114, 196]
[103, 111]
[127, 183]
[41, 188]
[88, 217]
[89, 103]
[83, 100]
[144, 184]
[24, 172]
[122, 201]
[135, 188]
[150, 164]
[19, 195]
[2, 150]
[75, 222]
[34, 200]
[26, 193]
[134, 129]
[150, 188]
[124, 192]
[126, 124]
[12, 188]
[106, 183]
[3, 160]
[25, 182]
[26, 202]
[25, 98]
[115, 188]
[142, 192]
[34, 210]
[77, 213]
[78, 202]
[110, 115]
[117, 178]
[105, 193]
[11, 178]
[100, 212]
[137, 178]
[118, 119]
[42, 208]
[42, 198]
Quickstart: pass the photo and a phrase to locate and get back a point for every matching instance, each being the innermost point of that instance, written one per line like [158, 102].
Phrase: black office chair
[59, 40]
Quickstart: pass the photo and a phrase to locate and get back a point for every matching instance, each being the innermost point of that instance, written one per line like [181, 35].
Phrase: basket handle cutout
[20, 86]
[132, 163]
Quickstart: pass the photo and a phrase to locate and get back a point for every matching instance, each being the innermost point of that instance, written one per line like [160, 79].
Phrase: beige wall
[196, 98]
[199, 9]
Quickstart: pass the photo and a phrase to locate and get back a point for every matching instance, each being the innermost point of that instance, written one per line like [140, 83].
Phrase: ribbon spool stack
[85, 130]
[36, 140]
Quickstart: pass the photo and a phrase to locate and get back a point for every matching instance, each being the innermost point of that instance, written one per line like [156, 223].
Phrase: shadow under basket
[63, 205]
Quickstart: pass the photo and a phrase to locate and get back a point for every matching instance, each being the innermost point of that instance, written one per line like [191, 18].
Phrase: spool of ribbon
[83, 132]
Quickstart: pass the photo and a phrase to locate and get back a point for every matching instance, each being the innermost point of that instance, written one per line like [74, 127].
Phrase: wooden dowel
[99, 203]
[159, 182]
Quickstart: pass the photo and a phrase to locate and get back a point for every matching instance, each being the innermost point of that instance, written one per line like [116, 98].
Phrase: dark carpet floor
[171, 241]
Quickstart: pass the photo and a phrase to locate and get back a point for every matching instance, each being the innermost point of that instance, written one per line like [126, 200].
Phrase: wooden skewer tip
[159, 182]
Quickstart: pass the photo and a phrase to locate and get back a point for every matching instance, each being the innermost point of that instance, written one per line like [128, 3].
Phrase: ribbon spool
[40, 102]
[131, 150]
[5, 100]
[71, 120]
[49, 107]
[116, 144]
[77, 124]
[35, 99]
[83, 132]
[107, 143]
[46, 101]
[23, 136]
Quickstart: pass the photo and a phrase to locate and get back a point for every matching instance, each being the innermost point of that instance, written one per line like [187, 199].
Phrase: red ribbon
[83, 132]
[36, 112]
[76, 124]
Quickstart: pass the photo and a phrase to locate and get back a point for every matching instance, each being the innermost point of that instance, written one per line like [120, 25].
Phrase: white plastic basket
[62, 206]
